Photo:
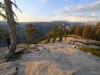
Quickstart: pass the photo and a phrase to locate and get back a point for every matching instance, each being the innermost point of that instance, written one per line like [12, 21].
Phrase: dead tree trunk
[12, 29]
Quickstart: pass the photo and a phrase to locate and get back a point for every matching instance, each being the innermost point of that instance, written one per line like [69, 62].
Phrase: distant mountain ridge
[44, 28]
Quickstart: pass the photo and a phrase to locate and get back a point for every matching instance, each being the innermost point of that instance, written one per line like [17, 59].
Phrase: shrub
[60, 40]
[94, 51]
[48, 40]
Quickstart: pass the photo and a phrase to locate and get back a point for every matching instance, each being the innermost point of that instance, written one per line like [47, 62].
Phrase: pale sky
[56, 10]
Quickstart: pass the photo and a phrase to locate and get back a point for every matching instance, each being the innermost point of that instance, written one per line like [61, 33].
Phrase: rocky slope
[50, 59]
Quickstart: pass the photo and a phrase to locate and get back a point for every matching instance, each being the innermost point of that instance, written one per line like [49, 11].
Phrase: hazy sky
[51, 10]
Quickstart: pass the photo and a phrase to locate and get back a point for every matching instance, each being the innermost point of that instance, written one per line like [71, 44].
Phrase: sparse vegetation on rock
[87, 31]
[94, 51]
[55, 32]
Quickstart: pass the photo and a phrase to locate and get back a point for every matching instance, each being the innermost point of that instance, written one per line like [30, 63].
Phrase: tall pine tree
[97, 31]
[61, 32]
[87, 32]
[54, 32]
[30, 31]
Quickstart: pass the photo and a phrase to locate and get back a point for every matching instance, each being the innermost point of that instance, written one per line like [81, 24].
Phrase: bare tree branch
[15, 1]
[16, 19]
[3, 15]
[16, 6]
[3, 9]
[1, 5]
[15, 15]
[16, 23]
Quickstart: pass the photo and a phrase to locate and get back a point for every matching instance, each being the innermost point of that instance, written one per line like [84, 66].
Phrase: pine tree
[30, 31]
[65, 34]
[93, 32]
[72, 31]
[97, 32]
[78, 30]
[54, 32]
[61, 32]
[48, 37]
[87, 32]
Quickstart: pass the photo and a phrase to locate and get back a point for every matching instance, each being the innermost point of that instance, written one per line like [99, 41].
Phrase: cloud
[93, 15]
[43, 0]
[72, 18]
[81, 8]
[78, 17]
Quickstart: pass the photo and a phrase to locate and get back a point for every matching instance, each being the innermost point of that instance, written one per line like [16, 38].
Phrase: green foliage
[94, 51]
[48, 40]
[87, 33]
[48, 37]
[2, 33]
[54, 32]
[78, 30]
[97, 31]
[45, 38]
[30, 31]
[61, 32]
[73, 30]
[65, 34]
[41, 39]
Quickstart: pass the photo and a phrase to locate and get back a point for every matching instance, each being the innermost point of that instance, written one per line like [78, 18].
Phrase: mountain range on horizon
[43, 27]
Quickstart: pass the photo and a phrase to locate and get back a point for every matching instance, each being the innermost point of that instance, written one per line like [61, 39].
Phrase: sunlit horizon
[54, 10]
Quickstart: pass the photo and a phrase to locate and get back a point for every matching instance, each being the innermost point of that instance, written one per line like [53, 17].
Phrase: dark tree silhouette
[12, 27]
